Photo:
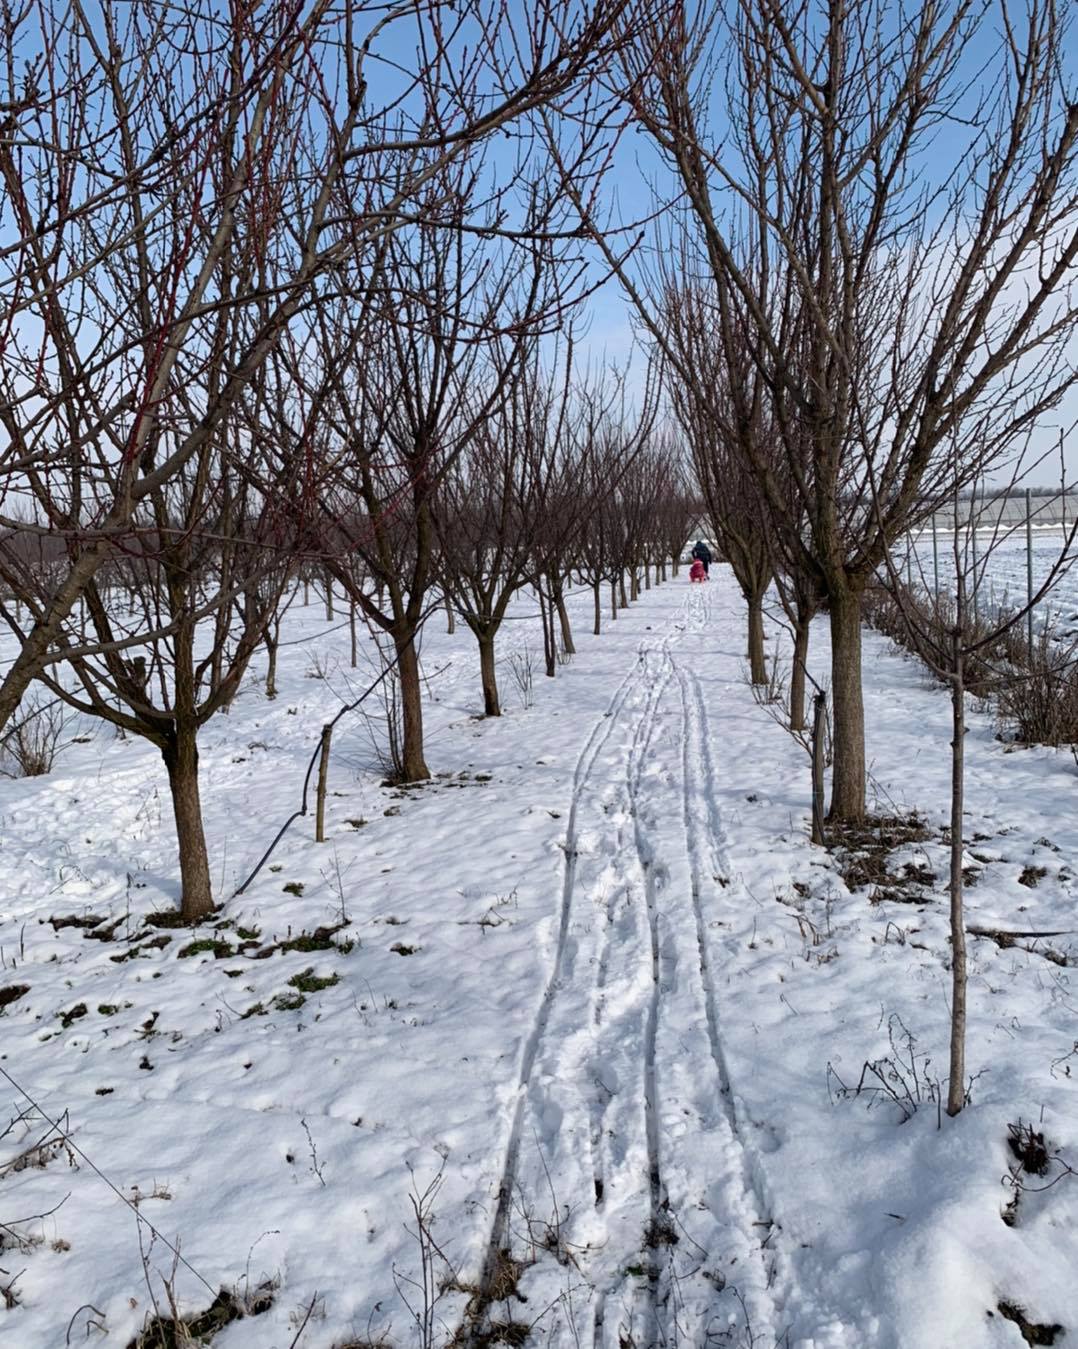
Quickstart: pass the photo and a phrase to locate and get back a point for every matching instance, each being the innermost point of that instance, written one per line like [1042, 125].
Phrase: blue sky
[638, 177]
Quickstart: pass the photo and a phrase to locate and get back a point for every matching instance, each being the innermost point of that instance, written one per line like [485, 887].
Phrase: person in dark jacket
[702, 553]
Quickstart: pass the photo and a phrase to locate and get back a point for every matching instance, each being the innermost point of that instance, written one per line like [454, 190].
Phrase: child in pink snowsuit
[697, 571]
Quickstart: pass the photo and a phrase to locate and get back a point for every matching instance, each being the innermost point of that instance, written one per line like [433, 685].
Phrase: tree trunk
[329, 597]
[757, 659]
[797, 675]
[613, 599]
[181, 760]
[563, 618]
[491, 706]
[634, 585]
[597, 589]
[271, 666]
[413, 766]
[956, 1090]
[647, 575]
[550, 650]
[847, 701]
[623, 599]
[450, 618]
[818, 709]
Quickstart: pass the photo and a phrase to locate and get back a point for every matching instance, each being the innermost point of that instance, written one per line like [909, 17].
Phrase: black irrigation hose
[347, 707]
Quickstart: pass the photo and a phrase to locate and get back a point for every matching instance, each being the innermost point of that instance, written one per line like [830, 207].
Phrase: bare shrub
[1035, 689]
[30, 747]
[900, 1079]
[1040, 705]
[319, 667]
[522, 665]
[918, 622]
[770, 691]
[385, 728]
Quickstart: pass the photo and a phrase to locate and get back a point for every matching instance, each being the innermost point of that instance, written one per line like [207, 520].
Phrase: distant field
[1003, 563]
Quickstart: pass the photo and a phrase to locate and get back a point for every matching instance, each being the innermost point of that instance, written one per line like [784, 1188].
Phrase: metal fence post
[973, 543]
[1029, 570]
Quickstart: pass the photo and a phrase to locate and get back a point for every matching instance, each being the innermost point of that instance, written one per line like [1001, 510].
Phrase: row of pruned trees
[864, 293]
[264, 282]
[421, 438]
[866, 301]
[554, 486]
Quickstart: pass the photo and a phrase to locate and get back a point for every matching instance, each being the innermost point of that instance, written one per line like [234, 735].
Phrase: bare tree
[152, 205]
[677, 509]
[204, 579]
[971, 645]
[599, 477]
[417, 364]
[724, 411]
[600, 554]
[488, 511]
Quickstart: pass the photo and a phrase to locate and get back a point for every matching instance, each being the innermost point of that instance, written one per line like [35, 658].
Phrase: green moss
[293, 888]
[207, 945]
[321, 939]
[309, 982]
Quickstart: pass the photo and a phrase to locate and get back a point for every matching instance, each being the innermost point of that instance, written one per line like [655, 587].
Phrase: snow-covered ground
[1002, 563]
[589, 998]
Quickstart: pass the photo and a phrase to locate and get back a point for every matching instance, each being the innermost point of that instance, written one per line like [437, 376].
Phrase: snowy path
[592, 985]
[624, 1116]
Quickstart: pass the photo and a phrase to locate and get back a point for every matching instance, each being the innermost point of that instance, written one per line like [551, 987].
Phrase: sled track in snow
[706, 841]
[653, 881]
[596, 742]
[652, 1306]
[634, 954]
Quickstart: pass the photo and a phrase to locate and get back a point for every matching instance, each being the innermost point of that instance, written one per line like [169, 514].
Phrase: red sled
[697, 572]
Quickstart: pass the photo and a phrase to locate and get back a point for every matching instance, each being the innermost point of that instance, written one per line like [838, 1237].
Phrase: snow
[625, 996]
[1003, 556]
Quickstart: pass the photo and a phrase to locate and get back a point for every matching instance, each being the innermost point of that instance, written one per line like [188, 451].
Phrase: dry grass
[177, 1332]
[863, 849]
[1035, 688]
[478, 1328]
[1032, 1332]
